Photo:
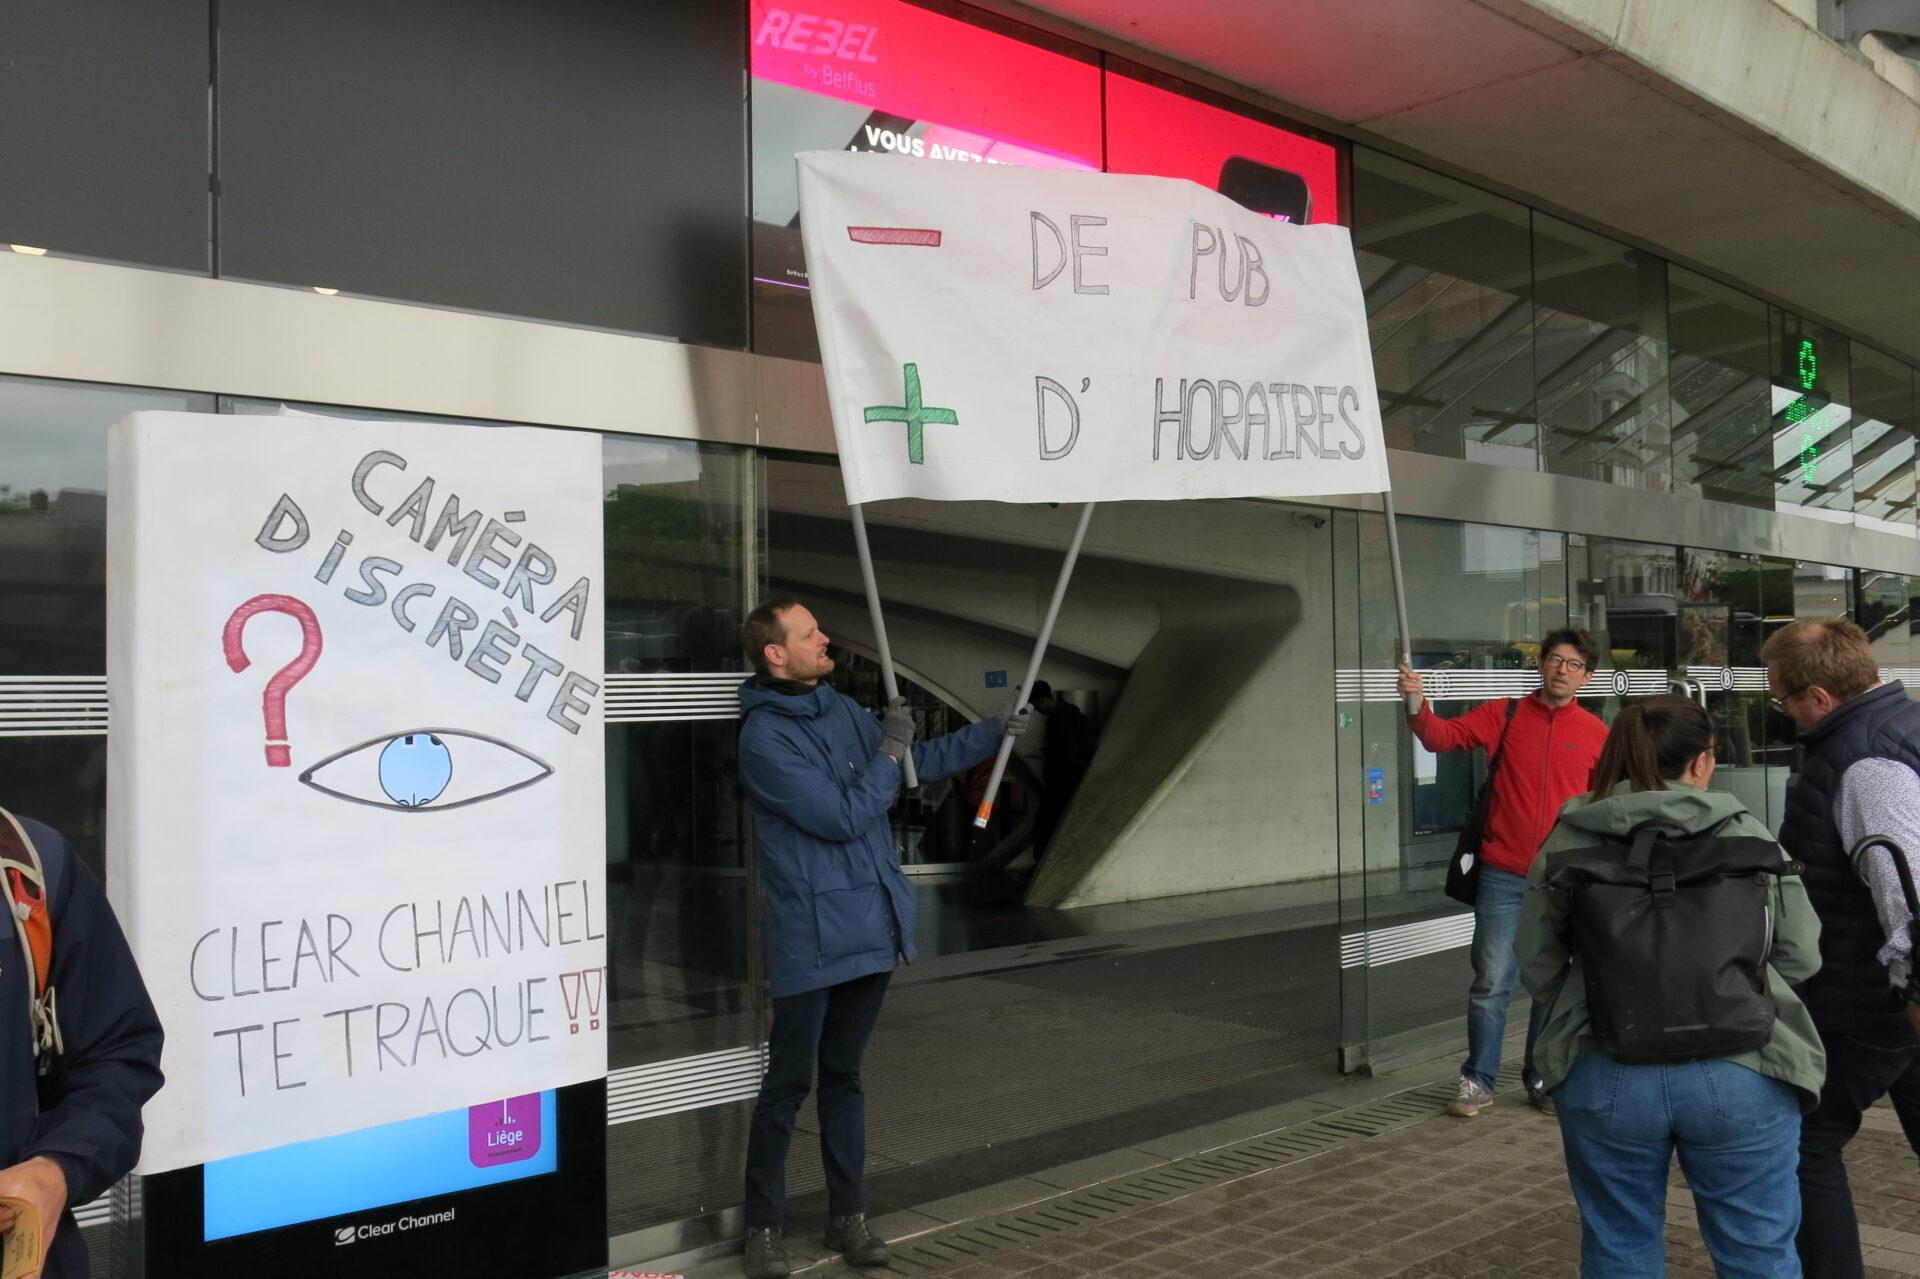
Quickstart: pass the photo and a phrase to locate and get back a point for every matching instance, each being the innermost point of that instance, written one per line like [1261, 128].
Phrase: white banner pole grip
[879, 629]
[1399, 593]
[1040, 643]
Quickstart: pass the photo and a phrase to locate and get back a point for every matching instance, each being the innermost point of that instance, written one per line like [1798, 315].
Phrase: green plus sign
[915, 415]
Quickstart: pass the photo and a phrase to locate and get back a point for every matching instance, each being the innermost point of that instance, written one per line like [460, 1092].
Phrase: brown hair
[1830, 653]
[1652, 743]
[763, 627]
[1575, 638]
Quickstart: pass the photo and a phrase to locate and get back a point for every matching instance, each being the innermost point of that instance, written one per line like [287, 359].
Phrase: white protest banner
[1024, 335]
[356, 820]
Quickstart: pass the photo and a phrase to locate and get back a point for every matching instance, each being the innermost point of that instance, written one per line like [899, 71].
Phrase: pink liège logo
[504, 1132]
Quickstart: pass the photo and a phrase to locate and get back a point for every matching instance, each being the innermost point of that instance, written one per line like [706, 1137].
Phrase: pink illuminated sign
[1276, 171]
[933, 86]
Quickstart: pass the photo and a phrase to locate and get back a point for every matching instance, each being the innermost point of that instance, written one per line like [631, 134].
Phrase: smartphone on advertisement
[1281, 194]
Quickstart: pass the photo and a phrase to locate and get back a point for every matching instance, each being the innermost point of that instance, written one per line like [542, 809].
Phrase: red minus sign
[916, 236]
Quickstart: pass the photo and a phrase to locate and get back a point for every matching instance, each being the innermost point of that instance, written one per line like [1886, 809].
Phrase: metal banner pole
[879, 627]
[1399, 590]
[1033, 663]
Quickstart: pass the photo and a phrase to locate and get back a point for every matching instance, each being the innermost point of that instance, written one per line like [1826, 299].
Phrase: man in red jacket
[1550, 759]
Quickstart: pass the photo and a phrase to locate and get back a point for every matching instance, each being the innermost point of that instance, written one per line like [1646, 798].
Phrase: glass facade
[1446, 272]
[1666, 619]
[1511, 337]
[1600, 357]
[1721, 403]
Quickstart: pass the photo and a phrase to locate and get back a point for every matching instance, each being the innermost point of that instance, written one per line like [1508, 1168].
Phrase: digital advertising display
[1156, 131]
[516, 1186]
[376, 1167]
[889, 77]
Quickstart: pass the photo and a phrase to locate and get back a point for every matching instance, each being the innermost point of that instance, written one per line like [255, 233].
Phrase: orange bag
[23, 884]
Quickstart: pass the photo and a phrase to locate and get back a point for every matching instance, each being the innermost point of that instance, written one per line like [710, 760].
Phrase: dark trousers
[831, 1026]
[1859, 1073]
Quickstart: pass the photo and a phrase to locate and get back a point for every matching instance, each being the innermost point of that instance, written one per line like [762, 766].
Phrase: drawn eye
[426, 769]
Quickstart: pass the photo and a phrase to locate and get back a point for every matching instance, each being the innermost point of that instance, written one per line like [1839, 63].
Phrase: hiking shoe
[850, 1237]
[1470, 1100]
[766, 1254]
[1537, 1097]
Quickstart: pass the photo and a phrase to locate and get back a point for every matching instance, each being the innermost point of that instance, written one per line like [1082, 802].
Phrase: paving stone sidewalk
[1440, 1197]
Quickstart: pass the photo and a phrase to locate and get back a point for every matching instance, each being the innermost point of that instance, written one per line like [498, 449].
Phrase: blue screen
[374, 1167]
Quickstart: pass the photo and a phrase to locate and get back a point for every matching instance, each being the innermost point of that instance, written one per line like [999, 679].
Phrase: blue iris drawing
[415, 769]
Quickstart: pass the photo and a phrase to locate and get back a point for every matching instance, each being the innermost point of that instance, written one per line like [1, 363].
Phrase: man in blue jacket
[838, 912]
[70, 1118]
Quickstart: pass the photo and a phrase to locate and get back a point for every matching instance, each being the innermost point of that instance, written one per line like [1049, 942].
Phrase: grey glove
[896, 730]
[1016, 717]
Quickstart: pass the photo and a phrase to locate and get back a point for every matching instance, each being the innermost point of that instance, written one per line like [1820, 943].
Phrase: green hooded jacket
[1552, 973]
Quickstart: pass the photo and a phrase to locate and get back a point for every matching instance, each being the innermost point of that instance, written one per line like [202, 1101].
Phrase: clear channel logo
[344, 1235]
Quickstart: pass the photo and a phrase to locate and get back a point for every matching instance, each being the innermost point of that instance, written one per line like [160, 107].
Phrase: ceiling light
[28, 249]
[324, 292]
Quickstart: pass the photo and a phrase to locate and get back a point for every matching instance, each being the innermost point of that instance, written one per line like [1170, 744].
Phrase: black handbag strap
[1898, 856]
[1500, 750]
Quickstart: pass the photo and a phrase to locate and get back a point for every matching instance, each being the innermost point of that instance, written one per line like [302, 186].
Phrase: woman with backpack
[1664, 929]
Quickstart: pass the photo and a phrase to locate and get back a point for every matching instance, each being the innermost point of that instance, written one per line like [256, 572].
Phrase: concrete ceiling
[1687, 125]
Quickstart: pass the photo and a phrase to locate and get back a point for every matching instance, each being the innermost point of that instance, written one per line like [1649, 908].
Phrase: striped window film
[1378, 947]
[76, 705]
[53, 705]
[1379, 684]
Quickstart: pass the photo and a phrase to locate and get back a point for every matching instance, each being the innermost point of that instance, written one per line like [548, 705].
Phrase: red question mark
[273, 703]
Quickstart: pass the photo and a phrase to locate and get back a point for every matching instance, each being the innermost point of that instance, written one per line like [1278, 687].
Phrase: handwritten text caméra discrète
[475, 547]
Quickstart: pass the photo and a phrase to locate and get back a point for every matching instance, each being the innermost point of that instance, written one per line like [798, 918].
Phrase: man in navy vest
[837, 911]
[1861, 743]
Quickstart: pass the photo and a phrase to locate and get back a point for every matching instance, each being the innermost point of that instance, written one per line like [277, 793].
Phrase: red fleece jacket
[1550, 760]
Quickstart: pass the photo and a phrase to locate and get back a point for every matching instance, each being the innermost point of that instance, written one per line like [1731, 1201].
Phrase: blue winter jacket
[836, 904]
[84, 1113]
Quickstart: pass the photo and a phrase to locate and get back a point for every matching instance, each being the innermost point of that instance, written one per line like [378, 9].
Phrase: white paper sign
[356, 822]
[1023, 335]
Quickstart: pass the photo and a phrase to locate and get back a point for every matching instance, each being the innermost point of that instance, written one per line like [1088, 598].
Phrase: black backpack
[1673, 930]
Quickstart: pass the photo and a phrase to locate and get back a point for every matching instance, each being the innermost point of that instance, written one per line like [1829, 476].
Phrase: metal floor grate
[1023, 1227]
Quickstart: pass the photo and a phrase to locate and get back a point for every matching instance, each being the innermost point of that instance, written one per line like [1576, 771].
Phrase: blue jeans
[1738, 1135]
[830, 1026]
[1860, 1071]
[1496, 918]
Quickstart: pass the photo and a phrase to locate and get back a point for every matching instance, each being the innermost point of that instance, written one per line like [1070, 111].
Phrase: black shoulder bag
[1463, 868]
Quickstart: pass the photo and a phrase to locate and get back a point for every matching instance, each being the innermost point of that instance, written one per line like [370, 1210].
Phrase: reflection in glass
[1720, 396]
[61, 781]
[674, 533]
[1886, 615]
[1631, 596]
[1600, 357]
[1445, 272]
[1821, 590]
[1884, 422]
[1722, 623]
[53, 519]
[677, 932]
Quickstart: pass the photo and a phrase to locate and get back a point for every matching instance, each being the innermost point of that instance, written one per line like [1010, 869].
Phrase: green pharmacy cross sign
[1806, 371]
[915, 415]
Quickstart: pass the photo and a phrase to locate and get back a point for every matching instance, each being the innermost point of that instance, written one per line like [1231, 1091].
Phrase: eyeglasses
[1780, 703]
[1573, 665]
